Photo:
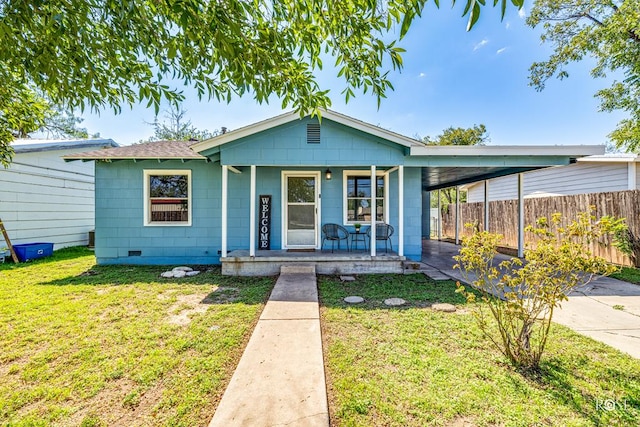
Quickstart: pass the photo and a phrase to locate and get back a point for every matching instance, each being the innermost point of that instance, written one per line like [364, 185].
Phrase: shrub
[520, 296]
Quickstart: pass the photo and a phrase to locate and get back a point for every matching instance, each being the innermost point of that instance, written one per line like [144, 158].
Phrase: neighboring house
[592, 174]
[201, 203]
[45, 199]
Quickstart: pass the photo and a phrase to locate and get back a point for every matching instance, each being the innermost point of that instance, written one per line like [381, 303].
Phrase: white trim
[292, 116]
[401, 210]
[224, 213]
[360, 172]
[318, 177]
[374, 211]
[520, 215]
[507, 150]
[631, 175]
[486, 204]
[252, 213]
[457, 232]
[234, 170]
[146, 222]
[439, 216]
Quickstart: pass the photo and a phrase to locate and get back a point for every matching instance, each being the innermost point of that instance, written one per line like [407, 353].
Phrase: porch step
[298, 269]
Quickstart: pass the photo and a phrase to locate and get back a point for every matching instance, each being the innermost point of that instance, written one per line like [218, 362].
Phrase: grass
[413, 366]
[628, 274]
[89, 345]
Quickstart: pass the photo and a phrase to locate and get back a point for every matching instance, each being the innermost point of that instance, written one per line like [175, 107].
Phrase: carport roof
[448, 166]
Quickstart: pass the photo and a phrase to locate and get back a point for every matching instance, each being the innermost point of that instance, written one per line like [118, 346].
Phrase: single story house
[268, 188]
[591, 174]
[45, 199]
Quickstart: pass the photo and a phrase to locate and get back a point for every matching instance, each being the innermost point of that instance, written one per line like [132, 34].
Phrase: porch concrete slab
[280, 378]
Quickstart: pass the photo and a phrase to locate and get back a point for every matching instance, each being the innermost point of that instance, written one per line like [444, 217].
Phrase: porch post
[223, 219]
[401, 210]
[252, 214]
[373, 208]
[439, 217]
[486, 205]
[457, 215]
[520, 215]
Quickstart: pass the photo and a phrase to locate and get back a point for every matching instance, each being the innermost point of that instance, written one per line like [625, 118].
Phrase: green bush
[518, 296]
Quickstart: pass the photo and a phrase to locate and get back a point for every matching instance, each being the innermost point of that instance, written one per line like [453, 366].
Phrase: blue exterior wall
[119, 216]
[287, 144]
[120, 200]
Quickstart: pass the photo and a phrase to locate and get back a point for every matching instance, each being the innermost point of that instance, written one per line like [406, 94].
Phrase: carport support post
[457, 215]
[439, 218]
[401, 210]
[223, 219]
[373, 210]
[486, 205]
[252, 214]
[520, 216]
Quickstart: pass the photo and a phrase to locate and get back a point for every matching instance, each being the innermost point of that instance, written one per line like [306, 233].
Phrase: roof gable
[283, 119]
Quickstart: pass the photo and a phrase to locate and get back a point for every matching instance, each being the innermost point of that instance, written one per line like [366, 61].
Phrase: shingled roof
[156, 150]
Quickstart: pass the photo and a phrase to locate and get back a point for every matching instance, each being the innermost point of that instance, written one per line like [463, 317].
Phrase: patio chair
[334, 233]
[383, 232]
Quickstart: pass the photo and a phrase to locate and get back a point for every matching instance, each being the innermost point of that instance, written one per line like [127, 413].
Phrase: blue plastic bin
[30, 251]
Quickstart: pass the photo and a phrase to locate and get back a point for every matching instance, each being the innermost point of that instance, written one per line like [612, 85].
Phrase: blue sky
[450, 78]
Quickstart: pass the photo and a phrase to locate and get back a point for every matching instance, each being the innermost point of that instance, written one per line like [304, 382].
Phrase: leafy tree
[519, 297]
[108, 54]
[177, 128]
[476, 135]
[62, 124]
[609, 32]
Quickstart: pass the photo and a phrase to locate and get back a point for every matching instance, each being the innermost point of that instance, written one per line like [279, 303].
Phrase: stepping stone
[394, 302]
[167, 274]
[185, 269]
[444, 307]
[192, 273]
[354, 300]
[179, 273]
[347, 278]
[436, 275]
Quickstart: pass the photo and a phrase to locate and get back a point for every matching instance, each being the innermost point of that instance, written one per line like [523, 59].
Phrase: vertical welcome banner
[264, 223]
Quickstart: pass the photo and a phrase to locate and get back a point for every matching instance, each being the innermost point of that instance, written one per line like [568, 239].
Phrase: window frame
[345, 199]
[147, 173]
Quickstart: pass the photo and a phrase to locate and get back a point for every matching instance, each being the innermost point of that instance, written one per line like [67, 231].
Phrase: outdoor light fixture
[327, 174]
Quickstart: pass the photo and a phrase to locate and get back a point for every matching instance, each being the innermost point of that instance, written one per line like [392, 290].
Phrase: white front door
[300, 195]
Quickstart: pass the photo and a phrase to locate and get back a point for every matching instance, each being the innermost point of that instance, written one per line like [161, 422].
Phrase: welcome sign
[264, 223]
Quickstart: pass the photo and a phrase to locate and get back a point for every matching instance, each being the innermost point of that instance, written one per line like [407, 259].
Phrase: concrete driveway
[607, 310]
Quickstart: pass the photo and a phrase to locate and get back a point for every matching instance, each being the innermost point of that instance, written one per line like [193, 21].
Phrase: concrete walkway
[280, 378]
[589, 310]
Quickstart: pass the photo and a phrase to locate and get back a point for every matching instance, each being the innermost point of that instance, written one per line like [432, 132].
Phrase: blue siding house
[274, 184]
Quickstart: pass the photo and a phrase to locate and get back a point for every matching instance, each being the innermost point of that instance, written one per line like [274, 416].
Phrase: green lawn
[628, 274]
[416, 367]
[87, 345]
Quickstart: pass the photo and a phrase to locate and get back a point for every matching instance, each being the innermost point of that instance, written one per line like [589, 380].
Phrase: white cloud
[499, 51]
[507, 25]
[522, 13]
[421, 75]
[482, 43]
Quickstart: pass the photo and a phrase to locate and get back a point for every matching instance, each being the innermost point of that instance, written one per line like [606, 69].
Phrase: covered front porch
[268, 263]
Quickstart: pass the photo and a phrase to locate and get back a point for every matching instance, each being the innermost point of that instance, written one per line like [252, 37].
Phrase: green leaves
[609, 32]
[521, 296]
[100, 54]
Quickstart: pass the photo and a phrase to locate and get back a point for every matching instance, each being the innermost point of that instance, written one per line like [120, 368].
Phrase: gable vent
[313, 133]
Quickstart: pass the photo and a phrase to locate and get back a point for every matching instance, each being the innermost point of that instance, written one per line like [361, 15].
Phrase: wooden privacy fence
[503, 217]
